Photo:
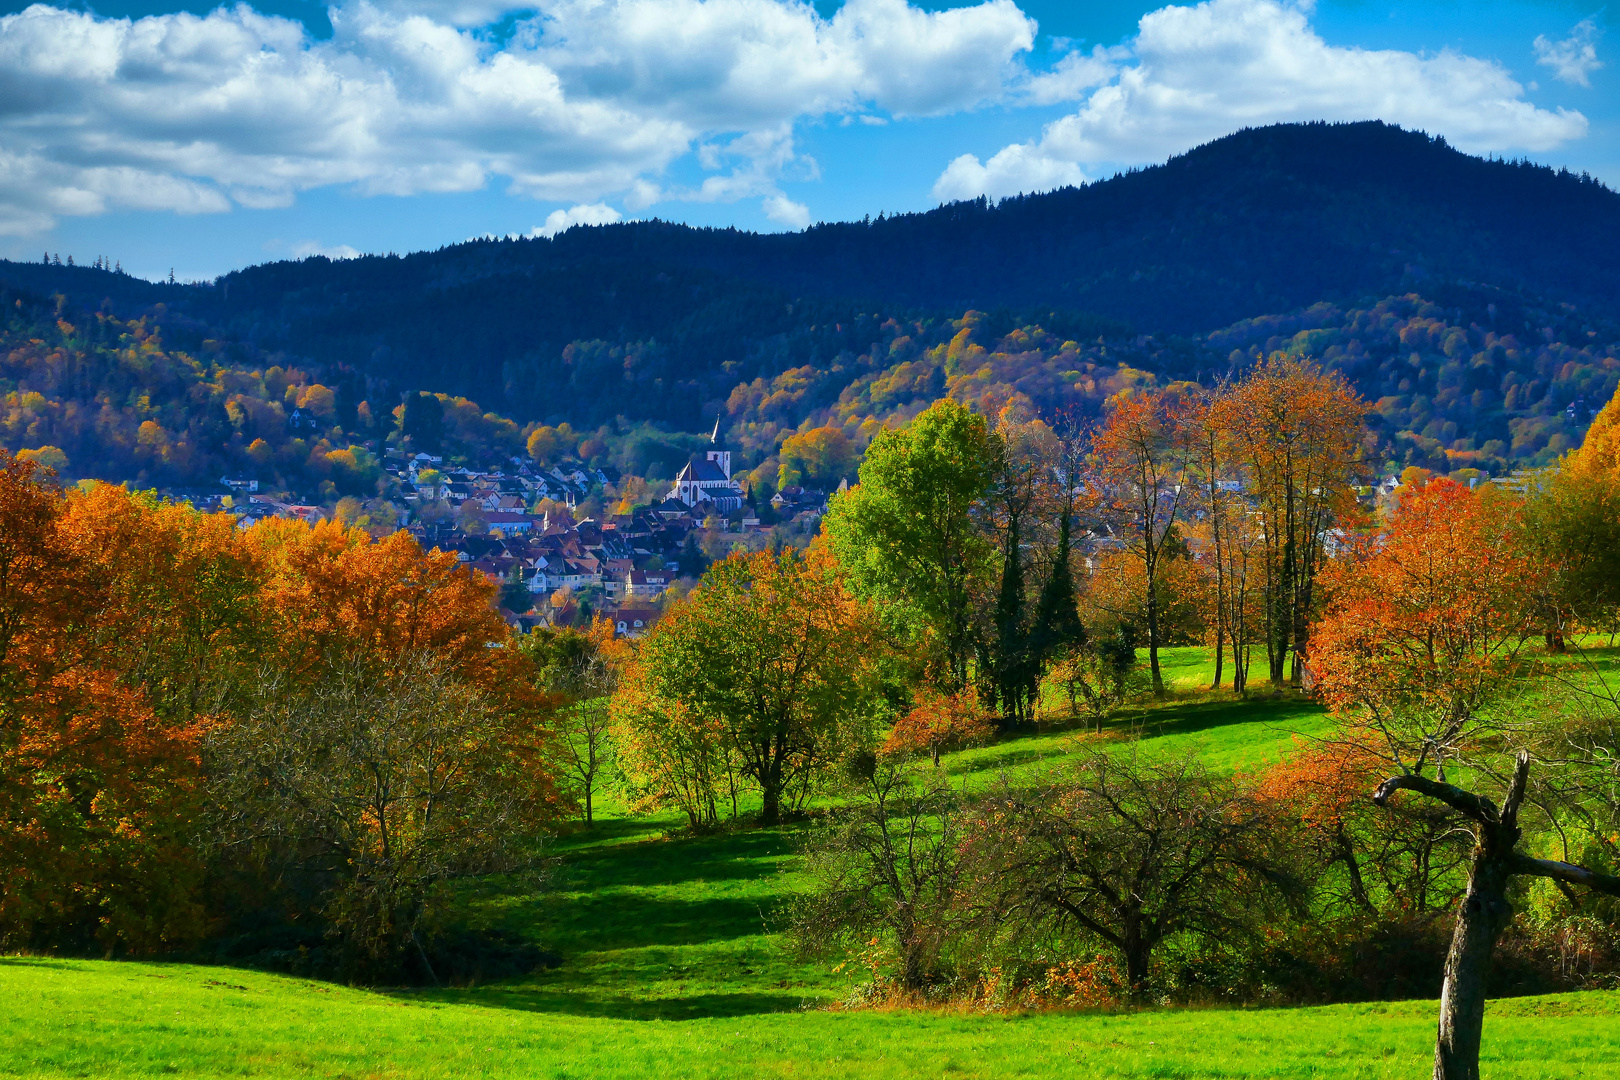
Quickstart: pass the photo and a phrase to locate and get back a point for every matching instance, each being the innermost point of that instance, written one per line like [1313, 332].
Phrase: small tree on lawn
[886, 873]
[939, 722]
[580, 668]
[1133, 852]
[1143, 457]
[770, 657]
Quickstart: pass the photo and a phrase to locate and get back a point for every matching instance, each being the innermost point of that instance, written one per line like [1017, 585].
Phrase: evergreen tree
[1012, 654]
[1057, 624]
[423, 421]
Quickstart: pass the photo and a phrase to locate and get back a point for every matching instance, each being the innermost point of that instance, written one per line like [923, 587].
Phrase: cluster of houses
[528, 529]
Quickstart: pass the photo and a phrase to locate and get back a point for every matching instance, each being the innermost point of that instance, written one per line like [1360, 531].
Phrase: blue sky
[178, 135]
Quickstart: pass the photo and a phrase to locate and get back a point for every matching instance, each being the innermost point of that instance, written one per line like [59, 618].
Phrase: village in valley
[548, 537]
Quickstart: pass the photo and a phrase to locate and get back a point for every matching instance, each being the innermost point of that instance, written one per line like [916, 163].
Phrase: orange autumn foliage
[95, 785]
[128, 630]
[1294, 432]
[1323, 783]
[1599, 452]
[334, 594]
[939, 722]
[333, 587]
[1427, 619]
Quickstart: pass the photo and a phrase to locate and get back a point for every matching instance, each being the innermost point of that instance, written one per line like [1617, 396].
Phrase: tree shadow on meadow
[611, 922]
[1173, 719]
[574, 1002]
[741, 855]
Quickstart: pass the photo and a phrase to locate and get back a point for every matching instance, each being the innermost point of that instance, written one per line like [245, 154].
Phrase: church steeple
[717, 451]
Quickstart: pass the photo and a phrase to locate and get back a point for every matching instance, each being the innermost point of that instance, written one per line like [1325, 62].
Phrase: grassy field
[96, 1018]
[671, 966]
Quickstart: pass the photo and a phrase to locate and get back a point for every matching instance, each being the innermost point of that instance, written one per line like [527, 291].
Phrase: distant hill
[1183, 270]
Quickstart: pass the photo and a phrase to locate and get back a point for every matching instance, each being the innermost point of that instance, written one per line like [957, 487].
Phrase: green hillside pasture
[654, 923]
[108, 1019]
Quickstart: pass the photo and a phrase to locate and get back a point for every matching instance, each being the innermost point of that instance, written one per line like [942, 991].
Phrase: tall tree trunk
[912, 975]
[1153, 633]
[1137, 955]
[1482, 916]
[1553, 636]
[770, 784]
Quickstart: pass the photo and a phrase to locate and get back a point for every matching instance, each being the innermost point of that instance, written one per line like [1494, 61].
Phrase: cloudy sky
[166, 133]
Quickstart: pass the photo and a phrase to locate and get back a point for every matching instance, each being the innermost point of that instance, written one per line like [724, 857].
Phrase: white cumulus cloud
[1195, 73]
[584, 214]
[584, 101]
[1013, 170]
[314, 247]
[784, 211]
[1575, 58]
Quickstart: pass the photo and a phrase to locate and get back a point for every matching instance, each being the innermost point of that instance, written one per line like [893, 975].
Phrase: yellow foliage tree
[1600, 452]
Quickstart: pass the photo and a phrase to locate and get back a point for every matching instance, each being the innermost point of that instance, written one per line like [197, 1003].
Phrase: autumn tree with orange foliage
[197, 721]
[1294, 433]
[100, 732]
[1143, 453]
[1419, 652]
[1427, 625]
[822, 455]
[1573, 522]
[939, 722]
[391, 742]
[1394, 866]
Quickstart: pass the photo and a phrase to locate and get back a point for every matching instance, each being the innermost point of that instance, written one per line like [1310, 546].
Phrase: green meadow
[671, 964]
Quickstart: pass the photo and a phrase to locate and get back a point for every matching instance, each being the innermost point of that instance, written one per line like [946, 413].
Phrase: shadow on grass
[743, 855]
[619, 922]
[48, 962]
[606, 833]
[1189, 718]
[1175, 718]
[578, 1003]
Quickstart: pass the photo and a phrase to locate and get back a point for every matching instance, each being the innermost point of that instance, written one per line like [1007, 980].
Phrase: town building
[707, 479]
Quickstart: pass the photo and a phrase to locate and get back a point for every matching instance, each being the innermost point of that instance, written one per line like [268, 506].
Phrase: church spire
[715, 438]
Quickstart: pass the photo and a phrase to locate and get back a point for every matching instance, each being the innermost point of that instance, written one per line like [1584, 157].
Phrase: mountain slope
[1263, 221]
[1474, 301]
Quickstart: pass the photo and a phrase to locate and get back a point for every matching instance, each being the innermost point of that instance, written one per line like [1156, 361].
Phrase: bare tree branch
[1480, 808]
[1567, 872]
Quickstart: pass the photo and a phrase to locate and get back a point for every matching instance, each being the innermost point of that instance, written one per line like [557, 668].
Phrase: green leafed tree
[768, 664]
[906, 534]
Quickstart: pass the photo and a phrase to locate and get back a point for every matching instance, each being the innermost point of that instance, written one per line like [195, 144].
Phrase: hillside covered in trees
[1476, 302]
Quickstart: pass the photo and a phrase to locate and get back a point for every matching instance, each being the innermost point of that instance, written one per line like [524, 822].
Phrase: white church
[707, 479]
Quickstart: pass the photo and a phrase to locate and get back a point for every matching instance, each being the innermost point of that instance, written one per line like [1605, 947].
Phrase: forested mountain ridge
[151, 400]
[1474, 301]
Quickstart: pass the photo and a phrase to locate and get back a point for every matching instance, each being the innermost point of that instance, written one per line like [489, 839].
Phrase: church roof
[702, 471]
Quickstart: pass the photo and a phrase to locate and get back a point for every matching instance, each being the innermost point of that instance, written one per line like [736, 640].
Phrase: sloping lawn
[97, 1018]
